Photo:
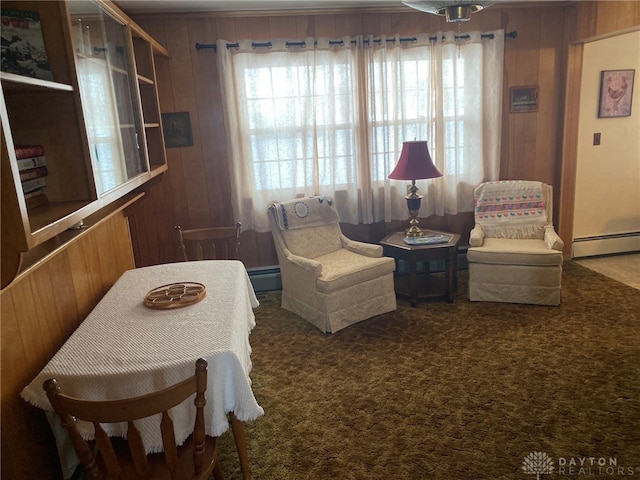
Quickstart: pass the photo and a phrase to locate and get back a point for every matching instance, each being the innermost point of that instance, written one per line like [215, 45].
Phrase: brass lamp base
[413, 203]
[414, 231]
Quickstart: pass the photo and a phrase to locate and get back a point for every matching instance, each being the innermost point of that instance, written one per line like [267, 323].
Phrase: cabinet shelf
[102, 62]
[147, 53]
[45, 215]
[144, 80]
[13, 83]
[49, 248]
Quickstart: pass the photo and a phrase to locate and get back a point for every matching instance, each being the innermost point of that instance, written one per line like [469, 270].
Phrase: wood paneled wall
[196, 190]
[38, 313]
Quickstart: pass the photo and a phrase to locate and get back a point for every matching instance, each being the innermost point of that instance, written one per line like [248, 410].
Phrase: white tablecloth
[124, 349]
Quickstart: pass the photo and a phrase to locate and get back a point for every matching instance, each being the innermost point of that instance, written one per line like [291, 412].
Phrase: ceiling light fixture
[454, 10]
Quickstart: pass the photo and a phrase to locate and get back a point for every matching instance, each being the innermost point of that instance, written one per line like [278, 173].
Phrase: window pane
[301, 121]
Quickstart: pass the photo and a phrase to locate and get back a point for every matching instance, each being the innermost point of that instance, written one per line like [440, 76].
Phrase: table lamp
[414, 164]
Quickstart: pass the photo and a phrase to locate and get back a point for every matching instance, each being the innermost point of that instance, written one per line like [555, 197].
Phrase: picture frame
[523, 99]
[177, 129]
[616, 93]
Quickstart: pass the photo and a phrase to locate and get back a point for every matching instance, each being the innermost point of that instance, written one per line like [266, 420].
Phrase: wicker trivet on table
[175, 295]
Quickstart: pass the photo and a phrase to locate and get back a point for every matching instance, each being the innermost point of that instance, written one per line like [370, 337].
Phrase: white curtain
[325, 117]
[290, 114]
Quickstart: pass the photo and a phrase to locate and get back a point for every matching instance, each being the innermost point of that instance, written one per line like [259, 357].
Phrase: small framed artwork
[524, 99]
[616, 92]
[177, 129]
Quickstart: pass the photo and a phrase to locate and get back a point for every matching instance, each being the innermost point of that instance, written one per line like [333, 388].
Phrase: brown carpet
[450, 391]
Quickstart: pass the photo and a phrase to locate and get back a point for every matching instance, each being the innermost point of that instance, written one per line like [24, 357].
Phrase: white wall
[607, 201]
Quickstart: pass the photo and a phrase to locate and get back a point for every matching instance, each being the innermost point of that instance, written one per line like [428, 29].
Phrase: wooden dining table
[125, 348]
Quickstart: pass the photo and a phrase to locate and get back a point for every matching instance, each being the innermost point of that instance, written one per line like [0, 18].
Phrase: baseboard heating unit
[605, 244]
[265, 279]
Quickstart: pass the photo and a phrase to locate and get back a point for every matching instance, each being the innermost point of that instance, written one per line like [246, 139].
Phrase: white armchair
[328, 279]
[514, 253]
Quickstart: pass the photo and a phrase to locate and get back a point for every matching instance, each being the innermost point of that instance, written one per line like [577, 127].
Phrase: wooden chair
[114, 460]
[214, 243]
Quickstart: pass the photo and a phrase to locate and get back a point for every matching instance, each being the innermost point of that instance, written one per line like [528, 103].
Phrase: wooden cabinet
[97, 119]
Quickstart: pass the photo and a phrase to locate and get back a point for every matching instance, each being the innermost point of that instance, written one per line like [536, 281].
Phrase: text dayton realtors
[592, 466]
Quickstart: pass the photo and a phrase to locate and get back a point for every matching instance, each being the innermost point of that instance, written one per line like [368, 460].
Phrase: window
[300, 124]
[330, 120]
[399, 107]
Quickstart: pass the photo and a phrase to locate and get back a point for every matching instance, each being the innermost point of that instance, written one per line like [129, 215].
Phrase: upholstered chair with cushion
[514, 253]
[328, 279]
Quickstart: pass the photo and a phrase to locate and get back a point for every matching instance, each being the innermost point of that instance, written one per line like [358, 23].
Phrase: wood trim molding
[607, 35]
[570, 146]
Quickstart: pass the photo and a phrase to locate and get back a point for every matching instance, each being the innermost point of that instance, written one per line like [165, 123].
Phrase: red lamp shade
[414, 163]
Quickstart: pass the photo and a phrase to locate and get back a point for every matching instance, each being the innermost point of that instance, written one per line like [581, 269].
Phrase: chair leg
[217, 471]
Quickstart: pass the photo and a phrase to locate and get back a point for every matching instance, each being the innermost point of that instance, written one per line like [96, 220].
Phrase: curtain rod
[202, 46]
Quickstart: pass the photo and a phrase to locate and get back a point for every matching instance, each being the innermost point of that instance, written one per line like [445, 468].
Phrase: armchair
[328, 279]
[514, 254]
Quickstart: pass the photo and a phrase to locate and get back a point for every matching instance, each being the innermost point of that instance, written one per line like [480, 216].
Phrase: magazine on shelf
[23, 50]
[428, 239]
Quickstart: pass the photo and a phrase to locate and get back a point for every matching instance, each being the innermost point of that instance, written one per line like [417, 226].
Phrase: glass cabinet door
[108, 84]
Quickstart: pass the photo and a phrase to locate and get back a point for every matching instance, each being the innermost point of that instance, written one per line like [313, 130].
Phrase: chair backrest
[308, 227]
[214, 243]
[127, 410]
[513, 208]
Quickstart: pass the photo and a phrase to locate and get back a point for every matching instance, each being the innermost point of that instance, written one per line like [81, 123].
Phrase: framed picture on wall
[177, 129]
[616, 92]
[524, 99]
